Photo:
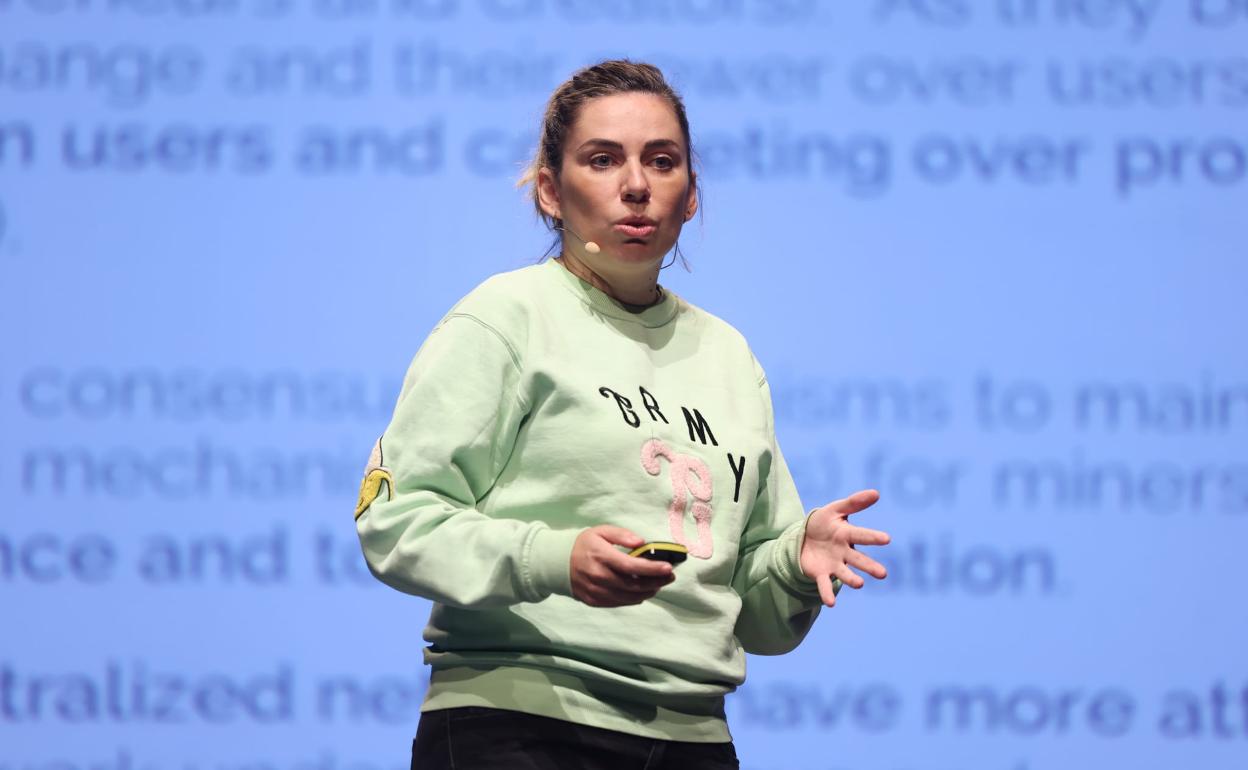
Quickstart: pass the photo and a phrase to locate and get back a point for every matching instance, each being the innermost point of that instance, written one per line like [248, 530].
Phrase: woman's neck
[635, 298]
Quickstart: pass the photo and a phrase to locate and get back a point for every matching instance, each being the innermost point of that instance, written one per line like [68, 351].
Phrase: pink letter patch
[689, 475]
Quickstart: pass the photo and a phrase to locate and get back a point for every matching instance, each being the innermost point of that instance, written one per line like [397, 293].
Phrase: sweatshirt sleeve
[453, 429]
[779, 603]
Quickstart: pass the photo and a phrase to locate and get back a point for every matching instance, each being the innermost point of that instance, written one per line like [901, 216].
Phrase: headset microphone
[590, 246]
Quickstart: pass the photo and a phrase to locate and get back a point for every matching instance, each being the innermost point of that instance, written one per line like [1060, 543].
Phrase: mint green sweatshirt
[538, 407]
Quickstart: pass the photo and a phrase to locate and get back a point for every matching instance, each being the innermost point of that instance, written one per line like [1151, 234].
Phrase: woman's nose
[636, 185]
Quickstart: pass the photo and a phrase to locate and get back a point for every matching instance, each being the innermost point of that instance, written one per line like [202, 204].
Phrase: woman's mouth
[635, 230]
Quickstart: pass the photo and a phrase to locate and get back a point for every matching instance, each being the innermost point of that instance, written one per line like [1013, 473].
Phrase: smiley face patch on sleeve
[374, 474]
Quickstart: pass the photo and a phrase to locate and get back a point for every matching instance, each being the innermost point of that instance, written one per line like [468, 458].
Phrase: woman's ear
[691, 204]
[548, 192]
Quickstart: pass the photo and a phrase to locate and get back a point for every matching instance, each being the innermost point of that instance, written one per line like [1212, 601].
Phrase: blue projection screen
[992, 255]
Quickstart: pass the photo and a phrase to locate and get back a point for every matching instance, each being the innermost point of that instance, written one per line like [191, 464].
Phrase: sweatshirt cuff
[549, 562]
[787, 562]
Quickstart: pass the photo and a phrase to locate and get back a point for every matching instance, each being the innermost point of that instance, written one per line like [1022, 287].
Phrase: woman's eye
[600, 161]
[665, 163]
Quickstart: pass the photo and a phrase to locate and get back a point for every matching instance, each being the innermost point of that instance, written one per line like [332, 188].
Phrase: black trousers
[477, 738]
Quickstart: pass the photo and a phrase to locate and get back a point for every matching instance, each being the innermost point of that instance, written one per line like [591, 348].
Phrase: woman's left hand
[828, 549]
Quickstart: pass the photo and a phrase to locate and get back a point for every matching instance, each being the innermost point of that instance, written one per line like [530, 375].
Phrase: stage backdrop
[992, 255]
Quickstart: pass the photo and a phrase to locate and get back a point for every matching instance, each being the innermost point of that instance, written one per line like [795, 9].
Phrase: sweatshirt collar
[655, 315]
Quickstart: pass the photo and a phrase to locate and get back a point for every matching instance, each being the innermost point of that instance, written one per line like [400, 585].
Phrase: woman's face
[625, 183]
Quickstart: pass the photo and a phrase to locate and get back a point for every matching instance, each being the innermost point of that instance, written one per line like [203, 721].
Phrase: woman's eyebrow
[652, 144]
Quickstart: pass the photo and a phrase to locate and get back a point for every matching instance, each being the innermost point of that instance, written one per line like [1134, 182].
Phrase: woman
[563, 413]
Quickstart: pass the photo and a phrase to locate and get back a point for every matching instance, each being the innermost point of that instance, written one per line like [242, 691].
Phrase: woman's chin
[638, 251]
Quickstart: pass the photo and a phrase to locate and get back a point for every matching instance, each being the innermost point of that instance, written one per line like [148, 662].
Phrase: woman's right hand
[605, 576]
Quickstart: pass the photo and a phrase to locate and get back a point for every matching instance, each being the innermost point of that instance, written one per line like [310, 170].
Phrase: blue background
[962, 265]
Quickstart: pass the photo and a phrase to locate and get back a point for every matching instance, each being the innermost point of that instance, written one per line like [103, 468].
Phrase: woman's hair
[615, 76]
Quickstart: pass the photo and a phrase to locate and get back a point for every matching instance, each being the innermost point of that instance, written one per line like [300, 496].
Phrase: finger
[611, 597]
[619, 536]
[599, 599]
[864, 498]
[605, 576]
[848, 576]
[866, 564]
[623, 564]
[825, 590]
[632, 584]
[597, 596]
[864, 536]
